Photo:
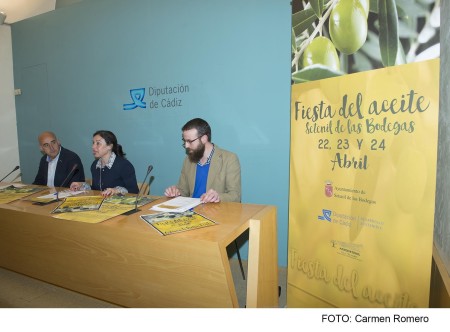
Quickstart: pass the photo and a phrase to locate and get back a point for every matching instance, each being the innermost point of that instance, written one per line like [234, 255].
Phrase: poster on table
[362, 187]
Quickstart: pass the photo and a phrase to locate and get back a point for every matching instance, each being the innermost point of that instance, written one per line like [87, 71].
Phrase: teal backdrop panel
[142, 68]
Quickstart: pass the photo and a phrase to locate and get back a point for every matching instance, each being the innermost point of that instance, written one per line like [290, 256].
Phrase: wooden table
[125, 261]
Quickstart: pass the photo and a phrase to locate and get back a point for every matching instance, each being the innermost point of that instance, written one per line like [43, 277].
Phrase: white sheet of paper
[177, 204]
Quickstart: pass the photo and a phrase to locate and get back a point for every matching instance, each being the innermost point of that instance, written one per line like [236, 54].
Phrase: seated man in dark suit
[57, 163]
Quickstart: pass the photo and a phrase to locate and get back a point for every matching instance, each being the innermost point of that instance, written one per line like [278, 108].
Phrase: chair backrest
[145, 188]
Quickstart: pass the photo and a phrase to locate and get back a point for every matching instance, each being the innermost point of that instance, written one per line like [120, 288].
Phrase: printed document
[177, 204]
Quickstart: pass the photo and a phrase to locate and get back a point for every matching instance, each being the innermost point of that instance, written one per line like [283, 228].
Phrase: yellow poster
[362, 188]
[167, 223]
[14, 192]
[110, 207]
[107, 211]
[79, 204]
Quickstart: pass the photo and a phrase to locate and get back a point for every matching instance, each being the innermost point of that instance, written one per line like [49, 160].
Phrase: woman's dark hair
[201, 125]
[110, 138]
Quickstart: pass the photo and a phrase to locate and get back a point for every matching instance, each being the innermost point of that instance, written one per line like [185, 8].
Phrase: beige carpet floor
[19, 291]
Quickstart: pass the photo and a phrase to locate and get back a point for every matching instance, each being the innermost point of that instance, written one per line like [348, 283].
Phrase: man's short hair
[201, 125]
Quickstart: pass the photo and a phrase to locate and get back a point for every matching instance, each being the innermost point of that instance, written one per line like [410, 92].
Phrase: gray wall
[442, 214]
[9, 147]
[77, 64]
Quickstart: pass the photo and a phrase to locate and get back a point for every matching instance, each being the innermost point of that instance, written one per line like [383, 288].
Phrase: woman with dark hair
[112, 174]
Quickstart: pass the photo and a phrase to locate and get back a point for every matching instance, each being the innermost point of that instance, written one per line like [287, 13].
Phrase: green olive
[348, 26]
[366, 5]
[321, 51]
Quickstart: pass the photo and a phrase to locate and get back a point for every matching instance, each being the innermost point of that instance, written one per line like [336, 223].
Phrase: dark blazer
[67, 159]
[121, 174]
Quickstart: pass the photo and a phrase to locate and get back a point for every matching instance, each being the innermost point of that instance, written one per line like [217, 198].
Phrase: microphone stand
[74, 167]
[15, 169]
[149, 169]
[65, 180]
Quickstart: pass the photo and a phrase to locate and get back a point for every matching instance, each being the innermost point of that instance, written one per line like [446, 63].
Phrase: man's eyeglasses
[189, 141]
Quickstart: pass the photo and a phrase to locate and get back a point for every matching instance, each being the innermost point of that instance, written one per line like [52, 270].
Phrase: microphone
[149, 169]
[15, 169]
[74, 167]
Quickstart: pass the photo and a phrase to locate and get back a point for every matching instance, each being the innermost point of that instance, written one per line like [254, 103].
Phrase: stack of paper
[61, 194]
[177, 204]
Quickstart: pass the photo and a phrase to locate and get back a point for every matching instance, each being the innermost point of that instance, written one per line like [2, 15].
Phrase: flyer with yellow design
[362, 188]
[79, 204]
[110, 207]
[170, 222]
[13, 192]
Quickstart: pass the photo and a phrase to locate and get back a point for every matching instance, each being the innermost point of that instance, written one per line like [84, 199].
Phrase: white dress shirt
[52, 170]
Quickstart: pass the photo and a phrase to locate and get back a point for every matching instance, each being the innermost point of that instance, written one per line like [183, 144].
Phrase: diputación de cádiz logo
[168, 96]
[326, 215]
[137, 96]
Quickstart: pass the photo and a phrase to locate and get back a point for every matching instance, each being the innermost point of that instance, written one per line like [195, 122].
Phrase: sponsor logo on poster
[328, 189]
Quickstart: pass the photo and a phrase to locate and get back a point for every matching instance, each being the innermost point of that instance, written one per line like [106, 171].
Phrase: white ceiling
[17, 10]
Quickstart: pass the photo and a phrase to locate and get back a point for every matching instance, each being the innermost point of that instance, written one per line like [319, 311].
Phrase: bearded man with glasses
[209, 172]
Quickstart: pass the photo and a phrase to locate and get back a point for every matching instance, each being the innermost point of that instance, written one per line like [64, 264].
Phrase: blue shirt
[201, 176]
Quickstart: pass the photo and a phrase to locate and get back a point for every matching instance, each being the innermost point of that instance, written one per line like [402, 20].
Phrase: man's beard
[196, 154]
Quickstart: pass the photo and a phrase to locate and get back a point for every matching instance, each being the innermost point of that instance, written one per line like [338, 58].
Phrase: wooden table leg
[262, 282]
